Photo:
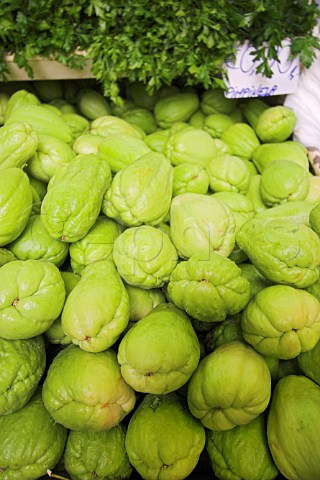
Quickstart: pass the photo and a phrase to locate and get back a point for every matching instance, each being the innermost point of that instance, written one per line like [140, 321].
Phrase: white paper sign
[243, 80]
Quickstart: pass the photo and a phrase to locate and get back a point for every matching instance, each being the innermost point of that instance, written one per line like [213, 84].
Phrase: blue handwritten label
[244, 81]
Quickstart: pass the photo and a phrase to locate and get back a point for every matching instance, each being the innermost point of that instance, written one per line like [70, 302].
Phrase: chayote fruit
[190, 177]
[231, 386]
[275, 124]
[253, 193]
[197, 119]
[20, 98]
[282, 250]
[92, 104]
[190, 145]
[283, 181]
[241, 139]
[142, 118]
[31, 443]
[309, 363]
[177, 107]
[293, 427]
[144, 256]
[22, 366]
[314, 189]
[141, 192]
[157, 140]
[208, 288]
[163, 439]
[214, 100]
[96, 311]
[160, 352]
[290, 150]
[314, 218]
[50, 153]
[15, 203]
[139, 94]
[38, 190]
[18, 143]
[63, 105]
[282, 321]
[142, 301]
[87, 143]
[120, 150]
[241, 452]
[47, 90]
[97, 455]
[228, 173]
[79, 125]
[35, 243]
[201, 224]
[107, 125]
[216, 123]
[4, 99]
[297, 211]
[85, 391]
[74, 197]
[32, 295]
[252, 109]
[255, 278]
[96, 245]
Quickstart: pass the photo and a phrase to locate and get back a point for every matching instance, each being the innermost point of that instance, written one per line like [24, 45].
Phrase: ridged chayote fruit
[208, 288]
[282, 250]
[309, 363]
[177, 107]
[290, 150]
[142, 301]
[160, 352]
[163, 439]
[96, 311]
[141, 192]
[18, 143]
[241, 139]
[144, 256]
[15, 203]
[214, 100]
[298, 211]
[231, 386]
[31, 443]
[85, 391]
[142, 118]
[32, 295]
[293, 427]
[97, 455]
[275, 124]
[242, 452]
[87, 143]
[228, 173]
[107, 125]
[216, 123]
[282, 321]
[22, 366]
[201, 224]
[189, 177]
[74, 197]
[35, 243]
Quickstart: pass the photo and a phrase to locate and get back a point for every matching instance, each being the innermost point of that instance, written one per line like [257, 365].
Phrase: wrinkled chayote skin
[275, 124]
[97, 455]
[282, 250]
[163, 440]
[283, 181]
[107, 125]
[201, 224]
[85, 391]
[96, 311]
[208, 288]
[255, 278]
[241, 139]
[87, 143]
[293, 427]
[18, 98]
[32, 295]
[96, 245]
[142, 301]
[309, 363]
[144, 256]
[189, 177]
[231, 386]
[190, 145]
[50, 152]
[6, 256]
[241, 452]
[160, 352]
[214, 100]
[35, 243]
[31, 443]
[22, 366]
[15, 203]
[18, 143]
[282, 321]
[228, 173]
[120, 150]
[176, 107]
[141, 192]
[216, 123]
[289, 150]
[226, 331]
[142, 118]
[74, 197]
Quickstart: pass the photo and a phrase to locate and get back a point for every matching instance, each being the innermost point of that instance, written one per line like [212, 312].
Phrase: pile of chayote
[159, 286]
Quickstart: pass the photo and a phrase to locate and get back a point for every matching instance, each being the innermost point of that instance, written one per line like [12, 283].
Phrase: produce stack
[159, 286]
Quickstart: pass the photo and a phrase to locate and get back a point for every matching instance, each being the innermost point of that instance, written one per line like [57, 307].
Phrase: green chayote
[157, 140]
[74, 197]
[281, 321]
[241, 139]
[32, 295]
[141, 117]
[6, 256]
[309, 363]
[228, 173]
[160, 352]
[216, 123]
[189, 177]
[213, 100]
[96, 311]
[18, 143]
[15, 203]
[142, 301]
[290, 150]
[297, 211]
[141, 192]
[78, 124]
[107, 125]
[144, 256]
[282, 250]
[87, 143]
[85, 390]
[253, 193]
[177, 107]
[275, 124]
